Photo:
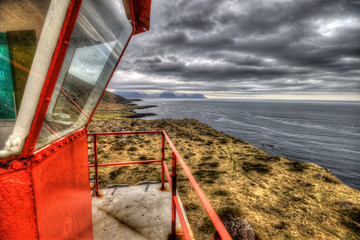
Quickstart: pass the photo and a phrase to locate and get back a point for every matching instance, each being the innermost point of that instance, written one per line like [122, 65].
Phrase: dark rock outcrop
[238, 228]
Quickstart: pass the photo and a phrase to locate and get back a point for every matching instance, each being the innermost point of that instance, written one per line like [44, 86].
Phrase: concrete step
[135, 212]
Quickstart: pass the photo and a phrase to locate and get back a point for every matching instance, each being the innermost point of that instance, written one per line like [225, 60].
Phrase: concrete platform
[132, 213]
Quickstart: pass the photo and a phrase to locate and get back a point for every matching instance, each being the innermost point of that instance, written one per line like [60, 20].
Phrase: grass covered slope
[280, 198]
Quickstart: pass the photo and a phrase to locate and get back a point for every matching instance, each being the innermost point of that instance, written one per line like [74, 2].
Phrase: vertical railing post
[96, 166]
[173, 195]
[162, 161]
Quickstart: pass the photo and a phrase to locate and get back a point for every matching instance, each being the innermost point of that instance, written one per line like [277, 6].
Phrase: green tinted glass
[7, 100]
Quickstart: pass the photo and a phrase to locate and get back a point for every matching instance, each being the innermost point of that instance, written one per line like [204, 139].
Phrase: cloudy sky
[285, 49]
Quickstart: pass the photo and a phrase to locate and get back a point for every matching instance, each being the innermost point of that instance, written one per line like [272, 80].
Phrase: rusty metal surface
[141, 12]
[13, 165]
[62, 193]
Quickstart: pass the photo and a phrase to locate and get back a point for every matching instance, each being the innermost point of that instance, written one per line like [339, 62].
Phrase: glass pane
[21, 24]
[7, 99]
[99, 37]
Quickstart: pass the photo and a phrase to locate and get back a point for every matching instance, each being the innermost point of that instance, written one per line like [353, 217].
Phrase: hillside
[114, 98]
[80, 91]
[113, 106]
[280, 198]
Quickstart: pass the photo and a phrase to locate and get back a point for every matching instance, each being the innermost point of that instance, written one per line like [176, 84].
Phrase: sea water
[326, 133]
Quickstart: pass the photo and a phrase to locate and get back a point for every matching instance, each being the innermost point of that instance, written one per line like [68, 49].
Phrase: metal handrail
[203, 199]
[171, 179]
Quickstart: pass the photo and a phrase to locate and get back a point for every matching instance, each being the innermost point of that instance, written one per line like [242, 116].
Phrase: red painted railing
[171, 179]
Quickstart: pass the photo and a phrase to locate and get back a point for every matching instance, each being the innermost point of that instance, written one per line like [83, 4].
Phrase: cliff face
[280, 198]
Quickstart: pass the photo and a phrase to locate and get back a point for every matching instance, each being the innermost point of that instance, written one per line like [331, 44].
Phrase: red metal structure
[44, 188]
[171, 179]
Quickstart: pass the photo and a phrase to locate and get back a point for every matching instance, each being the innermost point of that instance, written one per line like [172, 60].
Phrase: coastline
[141, 115]
[325, 134]
[274, 194]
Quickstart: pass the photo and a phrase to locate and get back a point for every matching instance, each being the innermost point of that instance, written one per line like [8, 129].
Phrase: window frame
[46, 48]
[52, 76]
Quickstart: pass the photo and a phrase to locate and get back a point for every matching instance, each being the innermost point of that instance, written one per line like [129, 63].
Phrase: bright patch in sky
[330, 28]
[249, 48]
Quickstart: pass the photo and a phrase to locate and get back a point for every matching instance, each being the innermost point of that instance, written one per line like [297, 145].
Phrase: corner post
[173, 196]
[162, 160]
[96, 166]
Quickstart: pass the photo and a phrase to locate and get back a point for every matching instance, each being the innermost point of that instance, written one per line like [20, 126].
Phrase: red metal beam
[125, 133]
[162, 161]
[177, 205]
[173, 193]
[167, 174]
[172, 183]
[124, 163]
[52, 75]
[182, 218]
[127, 43]
[50, 130]
[141, 13]
[203, 199]
[74, 103]
[96, 167]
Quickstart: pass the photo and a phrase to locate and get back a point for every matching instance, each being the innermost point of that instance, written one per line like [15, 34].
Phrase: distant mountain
[167, 95]
[195, 95]
[173, 95]
[131, 94]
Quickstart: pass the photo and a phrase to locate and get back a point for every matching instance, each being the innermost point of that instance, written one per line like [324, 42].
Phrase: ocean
[326, 133]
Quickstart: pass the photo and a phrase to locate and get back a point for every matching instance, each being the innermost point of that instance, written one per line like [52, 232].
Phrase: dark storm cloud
[246, 47]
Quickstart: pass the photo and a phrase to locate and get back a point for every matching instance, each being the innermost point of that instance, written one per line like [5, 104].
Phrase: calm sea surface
[325, 133]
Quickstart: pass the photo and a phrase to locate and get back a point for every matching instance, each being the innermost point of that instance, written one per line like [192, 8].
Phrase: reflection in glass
[7, 99]
[99, 37]
[21, 28]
